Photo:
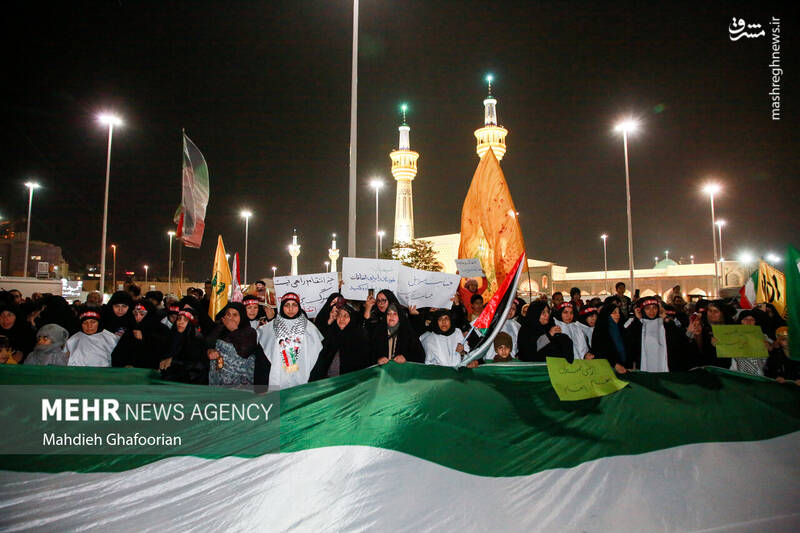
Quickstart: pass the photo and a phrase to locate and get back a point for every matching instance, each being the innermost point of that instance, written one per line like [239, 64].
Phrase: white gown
[441, 349]
[91, 350]
[575, 333]
[297, 371]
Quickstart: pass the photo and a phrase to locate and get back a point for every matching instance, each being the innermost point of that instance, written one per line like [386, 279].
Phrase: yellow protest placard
[582, 379]
[771, 287]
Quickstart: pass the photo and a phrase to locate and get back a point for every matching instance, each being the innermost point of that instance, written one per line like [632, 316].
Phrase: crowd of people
[251, 343]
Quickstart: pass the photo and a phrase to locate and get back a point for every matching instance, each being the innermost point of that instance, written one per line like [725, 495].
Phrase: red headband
[175, 308]
[140, 307]
[565, 304]
[90, 314]
[648, 301]
[588, 310]
[291, 296]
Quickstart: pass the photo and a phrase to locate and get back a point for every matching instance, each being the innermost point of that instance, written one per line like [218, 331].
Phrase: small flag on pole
[236, 291]
[191, 214]
[220, 281]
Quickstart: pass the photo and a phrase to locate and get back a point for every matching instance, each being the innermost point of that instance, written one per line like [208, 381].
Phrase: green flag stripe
[496, 420]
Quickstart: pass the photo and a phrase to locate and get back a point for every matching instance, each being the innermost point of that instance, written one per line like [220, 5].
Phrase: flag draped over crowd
[426, 448]
[191, 213]
[220, 281]
[489, 226]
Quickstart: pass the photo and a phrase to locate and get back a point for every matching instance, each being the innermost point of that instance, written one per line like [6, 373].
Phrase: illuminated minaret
[491, 135]
[404, 168]
[294, 251]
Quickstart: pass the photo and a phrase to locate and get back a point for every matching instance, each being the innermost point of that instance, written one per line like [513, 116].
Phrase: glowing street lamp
[109, 120]
[376, 184]
[246, 214]
[773, 258]
[711, 189]
[171, 234]
[31, 185]
[628, 126]
[327, 266]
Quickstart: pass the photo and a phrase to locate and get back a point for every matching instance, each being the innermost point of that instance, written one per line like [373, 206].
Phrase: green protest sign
[739, 341]
[582, 379]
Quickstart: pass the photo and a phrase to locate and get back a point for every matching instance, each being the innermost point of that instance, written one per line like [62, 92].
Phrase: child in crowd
[503, 345]
[49, 349]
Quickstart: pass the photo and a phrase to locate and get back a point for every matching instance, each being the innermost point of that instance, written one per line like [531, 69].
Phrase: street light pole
[169, 269]
[351, 215]
[110, 121]
[721, 223]
[625, 127]
[145, 274]
[605, 262]
[246, 215]
[327, 266]
[380, 239]
[114, 274]
[711, 189]
[31, 186]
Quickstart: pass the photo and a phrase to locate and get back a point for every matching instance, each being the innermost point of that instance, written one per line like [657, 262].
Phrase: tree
[417, 254]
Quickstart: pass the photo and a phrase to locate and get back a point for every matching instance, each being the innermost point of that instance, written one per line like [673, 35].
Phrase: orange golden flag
[489, 226]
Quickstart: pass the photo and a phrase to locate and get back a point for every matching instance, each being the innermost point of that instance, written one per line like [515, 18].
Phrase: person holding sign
[444, 345]
[540, 337]
[395, 340]
[292, 344]
[655, 344]
[716, 313]
[752, 317]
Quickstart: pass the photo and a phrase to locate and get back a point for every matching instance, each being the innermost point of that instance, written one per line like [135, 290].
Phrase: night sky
[263, 89]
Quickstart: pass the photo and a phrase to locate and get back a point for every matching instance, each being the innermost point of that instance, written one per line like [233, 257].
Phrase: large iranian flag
[422, 448]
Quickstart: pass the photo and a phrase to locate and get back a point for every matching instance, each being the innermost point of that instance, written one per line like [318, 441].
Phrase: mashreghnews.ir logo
[738, 29]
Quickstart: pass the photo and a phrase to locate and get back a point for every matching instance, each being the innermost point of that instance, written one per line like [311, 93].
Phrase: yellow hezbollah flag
[489, 227]
[220, 281]
[771, 287]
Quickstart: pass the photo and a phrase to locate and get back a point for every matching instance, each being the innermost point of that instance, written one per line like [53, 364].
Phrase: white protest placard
[469, 268]
[360, 275]
[313, 289]
[426, 289]
[71, 289]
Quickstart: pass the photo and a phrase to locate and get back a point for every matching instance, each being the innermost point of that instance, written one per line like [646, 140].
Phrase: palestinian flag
[191, 214]
[491, 320]
[747, 294]
[408, 447]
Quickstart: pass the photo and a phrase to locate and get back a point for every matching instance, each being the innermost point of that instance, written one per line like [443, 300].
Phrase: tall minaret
[294, 251]
[491, 135]
[404, 168]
